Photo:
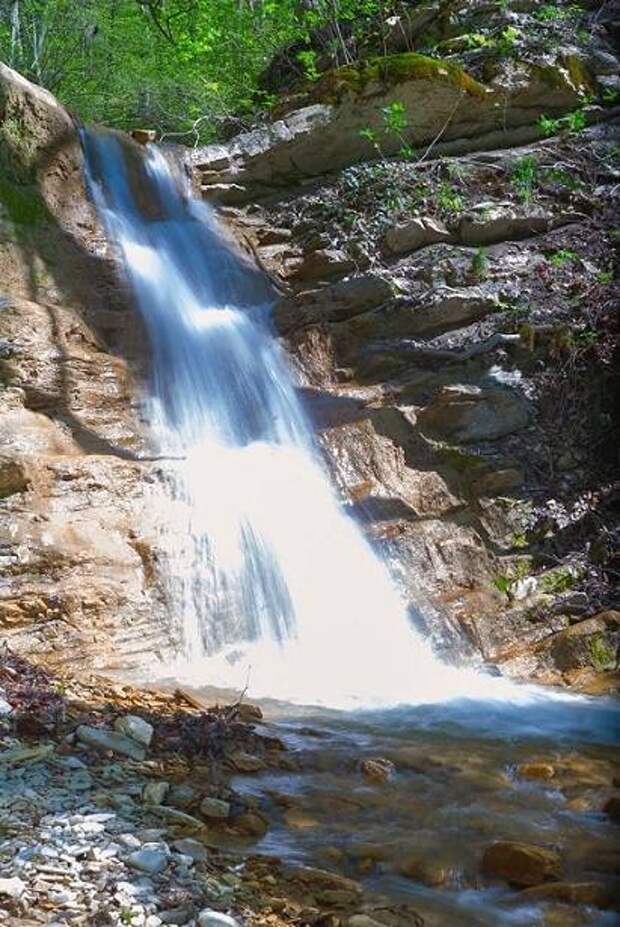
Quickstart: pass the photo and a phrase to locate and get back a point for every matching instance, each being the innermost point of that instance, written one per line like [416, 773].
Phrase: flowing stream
[276, 589]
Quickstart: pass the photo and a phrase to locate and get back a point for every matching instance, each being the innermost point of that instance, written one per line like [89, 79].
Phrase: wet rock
[214, 808]
[102, 739]
[192, 848]
[595, 894]
[321, 880]
[176, 916]
[535, 771]
[612, 808]
[414, 234]
[182, 796]
[251, 823]
[143, 136]
[425, 871]
[521, 864]
[136, 728]
[230, 194]
[152, 858]
[155, 792]
[471, 413]
[247, 762]
[210, 918]
[377, 770]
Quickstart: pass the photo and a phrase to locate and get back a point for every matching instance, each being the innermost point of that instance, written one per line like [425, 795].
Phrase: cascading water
[276, 586]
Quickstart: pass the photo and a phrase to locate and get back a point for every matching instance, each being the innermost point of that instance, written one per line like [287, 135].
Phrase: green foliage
[573, 123]
[562, 257]
[523, 177]
[554, 13]
[22, 205]
[507, 42]
[480, 263]
[449, 199]
[395, 117]
[308, 59]
[558, 581]
[521, 570]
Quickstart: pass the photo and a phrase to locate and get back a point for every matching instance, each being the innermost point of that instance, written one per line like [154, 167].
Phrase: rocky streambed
[124, 805]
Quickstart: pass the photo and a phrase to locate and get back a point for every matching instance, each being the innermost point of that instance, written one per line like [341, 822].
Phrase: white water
[274, 584]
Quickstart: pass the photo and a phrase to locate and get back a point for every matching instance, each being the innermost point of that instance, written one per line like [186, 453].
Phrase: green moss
[460, 461]
[602, 654]
[392, 70]
[22, 205]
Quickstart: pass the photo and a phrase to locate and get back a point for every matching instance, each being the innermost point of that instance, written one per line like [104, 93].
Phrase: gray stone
[500, 223]
[192, 848]
[214, 808]
[247, 762]
[155, 792]
[414, 234]
[151, 858]
[109, 740]
[469, 413]
[210, 918]
[175, 916]
[136, 728]
[13, 888]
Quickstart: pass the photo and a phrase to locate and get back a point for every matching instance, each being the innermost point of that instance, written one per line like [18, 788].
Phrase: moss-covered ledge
[389, 71]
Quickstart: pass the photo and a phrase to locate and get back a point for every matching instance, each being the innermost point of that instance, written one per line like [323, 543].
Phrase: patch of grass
[480, 263]
[523, 178]
[562, 257]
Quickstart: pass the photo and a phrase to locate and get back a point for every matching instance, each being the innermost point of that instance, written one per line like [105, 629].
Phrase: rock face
[77, 560]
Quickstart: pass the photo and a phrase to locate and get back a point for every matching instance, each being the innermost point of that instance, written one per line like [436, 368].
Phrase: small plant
[562, 257]
[519, 541]
[126, 916]
[523, 178]
[480, 263]
[448, 199]
[575, 121]
[507, 41]
[505, 581]
[395, 117]
[308, 61]
[553, 13]
[605, 277]
[548, 125]
[473, 40]
[558, 581]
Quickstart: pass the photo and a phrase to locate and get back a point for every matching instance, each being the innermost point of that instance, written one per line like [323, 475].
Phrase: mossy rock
[389, 71]
[21, 204]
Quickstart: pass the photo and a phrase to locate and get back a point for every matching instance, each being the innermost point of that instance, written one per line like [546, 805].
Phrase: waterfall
[272, 582]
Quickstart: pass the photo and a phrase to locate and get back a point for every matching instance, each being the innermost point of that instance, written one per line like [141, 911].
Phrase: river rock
[210, 918]
[247, 762]
[323, 264]
[378, 769]
[136, 728]
[12, 888]
[612, 808]
[152, 858]
[102, 739]
[428, 872]
[521, 864]
[415, 234]
[214, 808]
[535, 771]
[155, 792]
[192, 848]
[595, 894]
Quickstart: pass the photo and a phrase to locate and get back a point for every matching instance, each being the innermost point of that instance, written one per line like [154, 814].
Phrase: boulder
[211, 918]
[109, 740]
[323, 264]
[491, 224]
[593, 894]
[521, 864]
[415, 234]
[468, 413]
[151, 858]
[591, 643]
[136, 728]
[214, 808]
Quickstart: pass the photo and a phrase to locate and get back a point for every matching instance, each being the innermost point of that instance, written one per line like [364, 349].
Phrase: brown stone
[143, 136]
[596, 894]
[521, 864]
[425, 871]
[377, 770]
[535, 771]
